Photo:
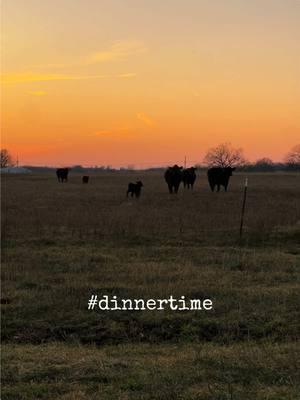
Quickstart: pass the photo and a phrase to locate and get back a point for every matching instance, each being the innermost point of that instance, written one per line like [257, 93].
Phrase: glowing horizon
[148, 82]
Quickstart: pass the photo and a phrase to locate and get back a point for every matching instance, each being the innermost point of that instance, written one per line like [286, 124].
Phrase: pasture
[63, 242]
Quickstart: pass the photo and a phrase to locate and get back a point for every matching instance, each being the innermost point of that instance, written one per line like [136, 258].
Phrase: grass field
[63, 242]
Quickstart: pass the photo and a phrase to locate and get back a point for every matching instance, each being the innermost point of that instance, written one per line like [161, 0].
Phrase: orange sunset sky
[146, 82]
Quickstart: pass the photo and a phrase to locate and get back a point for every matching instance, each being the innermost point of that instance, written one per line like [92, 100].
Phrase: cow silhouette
[173, 177]
[189, 177]
[85, 179]
[62, 174]
[218, 176]
[135, 189]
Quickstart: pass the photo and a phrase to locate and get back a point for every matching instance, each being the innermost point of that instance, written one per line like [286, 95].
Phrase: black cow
[173, 177]
[189, 177]
[135, 189]
[62, 174]
[218, 176]
[85, 179]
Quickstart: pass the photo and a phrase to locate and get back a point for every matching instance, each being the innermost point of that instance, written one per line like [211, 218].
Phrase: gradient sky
[145, 82]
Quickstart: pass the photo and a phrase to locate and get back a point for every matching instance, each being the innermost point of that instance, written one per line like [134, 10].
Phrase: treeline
[269, 167]
[224, 155]
[248, 167]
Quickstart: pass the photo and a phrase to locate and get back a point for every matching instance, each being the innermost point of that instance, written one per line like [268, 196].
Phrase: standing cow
[62, 174]
[173, 177]
[189, 177]
[85, 179]
[218, 176]
[135, 189]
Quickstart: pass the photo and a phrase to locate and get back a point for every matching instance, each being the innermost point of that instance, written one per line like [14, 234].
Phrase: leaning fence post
[243, 207]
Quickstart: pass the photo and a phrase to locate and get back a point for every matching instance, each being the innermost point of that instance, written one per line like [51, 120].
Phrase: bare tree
[5, 159]
[224, 155]
[293, 157]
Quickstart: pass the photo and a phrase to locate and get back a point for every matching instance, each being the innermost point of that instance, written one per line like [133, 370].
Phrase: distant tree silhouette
[77, 168]
[264, 164]
[292, 159]
[224, 155]
[5, 159]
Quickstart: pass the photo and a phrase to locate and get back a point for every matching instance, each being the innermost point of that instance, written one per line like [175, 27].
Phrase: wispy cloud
[38, 77]
[35, 77]
[113, 131]
[119, 50]
[37, 92]
[145, 118]
[128, 75]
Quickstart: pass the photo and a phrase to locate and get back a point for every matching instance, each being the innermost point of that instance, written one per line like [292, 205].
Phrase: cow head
[139, 183]
[228, 170]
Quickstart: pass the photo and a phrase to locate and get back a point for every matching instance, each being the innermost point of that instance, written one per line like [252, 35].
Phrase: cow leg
[218, 188]
[170, 189]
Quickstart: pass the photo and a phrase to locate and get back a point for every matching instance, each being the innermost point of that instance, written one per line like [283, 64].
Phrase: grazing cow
[189, 177]
[85, 179]
[173, 177]
[62, 174]
[135, 189]
[218, 176]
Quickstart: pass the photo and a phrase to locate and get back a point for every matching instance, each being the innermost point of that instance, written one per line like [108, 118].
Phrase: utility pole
[184, 162]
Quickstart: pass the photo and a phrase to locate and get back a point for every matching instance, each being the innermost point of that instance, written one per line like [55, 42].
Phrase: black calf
[135, 189]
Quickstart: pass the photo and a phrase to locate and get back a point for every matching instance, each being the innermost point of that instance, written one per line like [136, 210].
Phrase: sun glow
[103, 85]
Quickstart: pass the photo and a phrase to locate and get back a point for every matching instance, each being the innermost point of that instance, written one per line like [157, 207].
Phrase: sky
[148, 82]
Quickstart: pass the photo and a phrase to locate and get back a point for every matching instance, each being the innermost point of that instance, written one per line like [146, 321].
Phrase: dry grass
[63, 242]
[39, 207]
[166, 371]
